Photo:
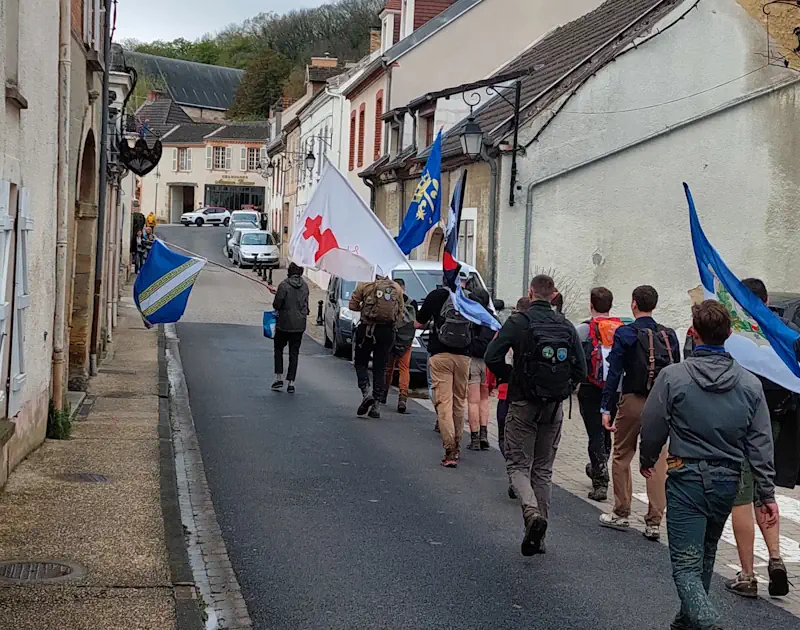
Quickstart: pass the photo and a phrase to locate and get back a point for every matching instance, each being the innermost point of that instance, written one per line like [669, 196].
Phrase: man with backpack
[400, 356]
[548, 366]
[597, 337]
[381, 306]
[640, 351]
[449, 349]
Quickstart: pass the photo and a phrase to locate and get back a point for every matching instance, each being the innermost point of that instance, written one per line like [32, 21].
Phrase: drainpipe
[101, 202]
[112, 250]
[492, 162]
[341, 100]
[371, 185]
[117, 268]
[526, 273]
[62, 203]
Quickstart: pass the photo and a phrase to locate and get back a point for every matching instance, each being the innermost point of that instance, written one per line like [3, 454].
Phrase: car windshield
[244, 217]
[348, 286]
[256, 238]
[431, 278]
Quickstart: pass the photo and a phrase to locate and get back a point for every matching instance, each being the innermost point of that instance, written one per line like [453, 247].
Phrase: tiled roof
[255, 131]
[161, 115]
[190, 133]
[189, 83]
[566, 57]
[320, 74]
[426, 10]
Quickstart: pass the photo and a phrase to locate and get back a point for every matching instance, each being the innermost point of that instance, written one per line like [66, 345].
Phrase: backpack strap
[651, 360]
[669, 346]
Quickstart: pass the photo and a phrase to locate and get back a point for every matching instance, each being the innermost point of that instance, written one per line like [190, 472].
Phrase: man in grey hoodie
[716, 418]
[291, 306]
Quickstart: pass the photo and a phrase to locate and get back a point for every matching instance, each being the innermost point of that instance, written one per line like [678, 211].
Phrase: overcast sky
[147, 20]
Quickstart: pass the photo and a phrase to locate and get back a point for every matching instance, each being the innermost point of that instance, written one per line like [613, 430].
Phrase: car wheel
[339, 349]
[328, 342]
[233, 260]
[185, 225]
[226, 222]
[198, 222]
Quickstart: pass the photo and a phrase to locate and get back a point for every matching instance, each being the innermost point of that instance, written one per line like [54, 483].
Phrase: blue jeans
[699, 500]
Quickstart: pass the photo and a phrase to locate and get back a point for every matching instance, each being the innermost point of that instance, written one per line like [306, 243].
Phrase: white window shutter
[243, 160]
[209, 157]
[263, 159]
[228, 158]
[6, 232]
[97, 43]
[22, 300]
[174, 159]
[87, 22]
[188, 159]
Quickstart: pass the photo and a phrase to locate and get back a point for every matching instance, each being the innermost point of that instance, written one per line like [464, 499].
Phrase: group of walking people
[704, 426]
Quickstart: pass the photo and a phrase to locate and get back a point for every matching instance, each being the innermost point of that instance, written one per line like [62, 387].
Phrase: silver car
[240, 219]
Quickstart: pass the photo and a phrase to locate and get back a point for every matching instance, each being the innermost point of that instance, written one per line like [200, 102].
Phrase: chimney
[374, 39]
[153, 95]
[324, 62]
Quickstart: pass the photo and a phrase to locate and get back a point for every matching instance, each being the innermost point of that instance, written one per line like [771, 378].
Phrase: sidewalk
[94, 504]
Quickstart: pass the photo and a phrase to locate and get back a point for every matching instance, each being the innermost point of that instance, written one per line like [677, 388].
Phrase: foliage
[287, 42]
[565, 285]
[59, 423]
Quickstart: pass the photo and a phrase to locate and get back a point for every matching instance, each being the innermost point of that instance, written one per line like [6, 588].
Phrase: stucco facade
[28, 164]
[697, 104]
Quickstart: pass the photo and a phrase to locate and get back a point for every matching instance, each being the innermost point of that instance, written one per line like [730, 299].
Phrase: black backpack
[653, 352]
[453, 329]
[544, 365]
[481, 338]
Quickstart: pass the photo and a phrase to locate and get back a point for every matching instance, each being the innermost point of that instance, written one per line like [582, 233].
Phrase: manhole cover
[43, 571]
[84, 477]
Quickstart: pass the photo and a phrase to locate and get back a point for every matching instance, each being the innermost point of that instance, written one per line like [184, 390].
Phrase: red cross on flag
[339, 234]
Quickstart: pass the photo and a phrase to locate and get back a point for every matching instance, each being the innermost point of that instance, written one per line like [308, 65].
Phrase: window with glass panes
[219, 158]
[252, 159]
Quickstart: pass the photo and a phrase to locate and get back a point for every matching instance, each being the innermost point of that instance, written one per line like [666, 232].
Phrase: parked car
[239, 219]
[250, 245]
[210, 215]
[340, 321]
[786, 305]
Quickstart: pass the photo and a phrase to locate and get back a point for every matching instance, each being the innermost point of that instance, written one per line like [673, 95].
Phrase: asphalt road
[332, 521]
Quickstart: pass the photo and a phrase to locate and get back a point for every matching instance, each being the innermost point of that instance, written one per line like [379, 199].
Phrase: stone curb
[187, 608]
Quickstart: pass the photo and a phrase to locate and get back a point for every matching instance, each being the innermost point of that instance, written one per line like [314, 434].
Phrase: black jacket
[291, 304]
[512, 336]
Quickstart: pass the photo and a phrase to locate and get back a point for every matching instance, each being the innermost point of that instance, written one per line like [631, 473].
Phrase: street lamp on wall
[310, 160]
[472, 139]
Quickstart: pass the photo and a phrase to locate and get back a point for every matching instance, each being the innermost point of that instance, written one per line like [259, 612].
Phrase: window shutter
[175, 159]
[209, 157]
[263, 159]
[6, 232]
[352, 159]
[243, 160]
[378, 124]
[87, 21]
[96, 38]
[361, 119]
[188, 159]
[22, 300]
[228, 158]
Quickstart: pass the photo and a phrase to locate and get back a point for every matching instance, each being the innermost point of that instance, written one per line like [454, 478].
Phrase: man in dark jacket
[291, 306]
[716, 418]
[548, 365]
[400, 356]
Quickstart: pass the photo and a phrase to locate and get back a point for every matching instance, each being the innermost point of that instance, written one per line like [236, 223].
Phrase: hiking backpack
[453, 330]
[653, 352]
[544, 365]
[382, 302]
[598, 346]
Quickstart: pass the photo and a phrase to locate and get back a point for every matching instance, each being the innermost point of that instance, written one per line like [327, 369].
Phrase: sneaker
[401, 405]
[450, 460]
[535, 529]
[652, 532]
[277, 386]
[744, 585]
[484, 437]
[474, 442]
[614, 522]
[365, 405]
[778, 580]
[512, 494]
[681, 623]
[375, 410]
[290, 388]
[599, 493]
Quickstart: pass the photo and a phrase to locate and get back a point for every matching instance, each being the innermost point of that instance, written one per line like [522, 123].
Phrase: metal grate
[84, 477]
[39, 571]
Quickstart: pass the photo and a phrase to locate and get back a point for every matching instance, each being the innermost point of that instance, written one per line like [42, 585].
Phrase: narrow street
[332, 521]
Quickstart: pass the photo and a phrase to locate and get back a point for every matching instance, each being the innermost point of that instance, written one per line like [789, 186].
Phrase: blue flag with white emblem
[426, 205]
[162, 288]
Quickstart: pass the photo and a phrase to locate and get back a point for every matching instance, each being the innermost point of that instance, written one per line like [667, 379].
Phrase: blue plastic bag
[270, 319]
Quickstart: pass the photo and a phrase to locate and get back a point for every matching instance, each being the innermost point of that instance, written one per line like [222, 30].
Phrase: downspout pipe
[342, 115]
[492, 162]
[62, 202]
[526, 267]
[101, 202]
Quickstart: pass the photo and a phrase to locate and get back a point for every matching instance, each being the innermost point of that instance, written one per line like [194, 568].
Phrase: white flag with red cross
[340, 235]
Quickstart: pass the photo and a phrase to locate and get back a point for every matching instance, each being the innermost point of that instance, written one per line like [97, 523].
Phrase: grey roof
[318, 74]
[190, 83]
[563, 60]
[193, 133]
[162, 115]
[255, 131]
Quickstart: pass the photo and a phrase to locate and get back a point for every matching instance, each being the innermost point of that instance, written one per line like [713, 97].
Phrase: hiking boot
[401, 405]
[613, 521]
[778, 580]
[450, 459]
[375, 410]
[290, 388]
[652, 532]
[681, 623]
[484, 436]
[277, 386]
[474, 442]
[599, 492]
[744, 585]
[535, 529]
[365, 405]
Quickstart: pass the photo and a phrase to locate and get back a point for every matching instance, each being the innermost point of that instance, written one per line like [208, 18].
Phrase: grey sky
[147, 20]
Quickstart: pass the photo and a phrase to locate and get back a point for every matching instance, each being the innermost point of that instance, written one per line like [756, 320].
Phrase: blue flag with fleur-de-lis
[425, 208]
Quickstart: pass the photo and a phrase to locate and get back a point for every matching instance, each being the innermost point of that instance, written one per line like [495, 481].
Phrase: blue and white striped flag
[472, 310]
[162, 289]
[760, 341]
